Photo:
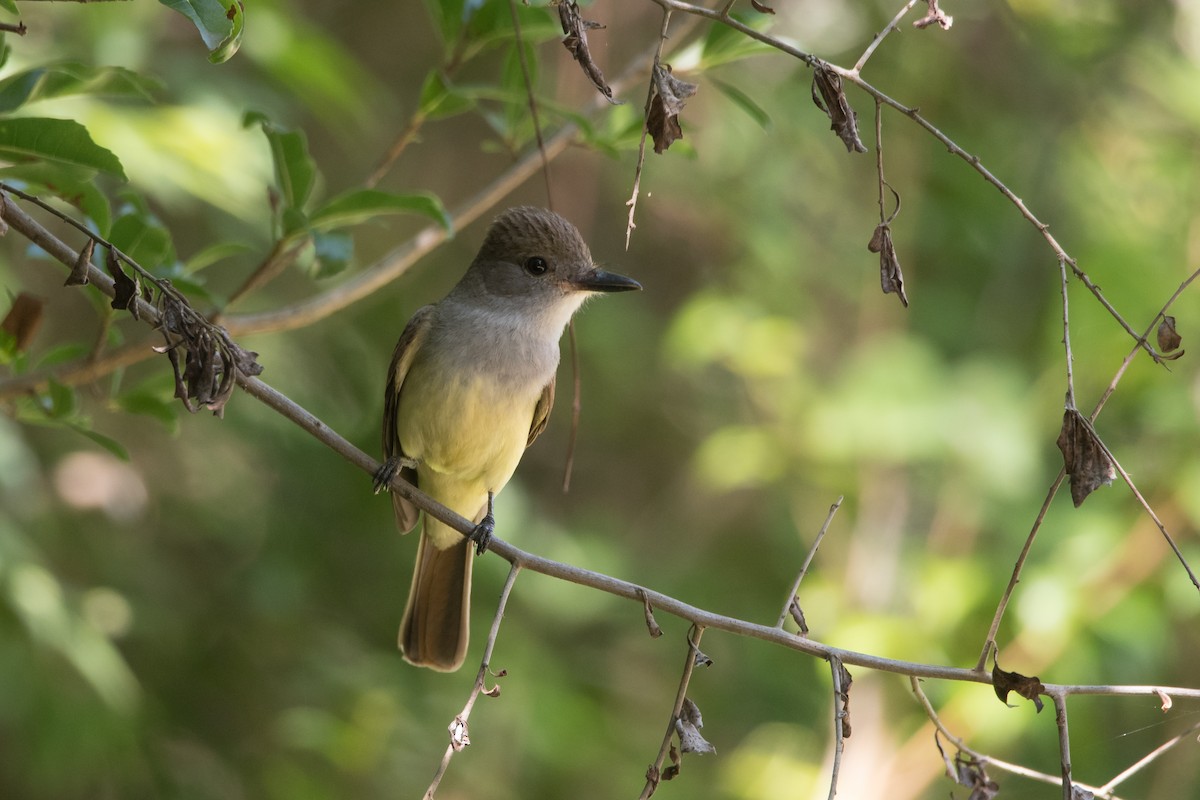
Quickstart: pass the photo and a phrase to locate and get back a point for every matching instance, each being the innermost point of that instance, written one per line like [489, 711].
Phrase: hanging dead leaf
[687, 726]
[891, 278]
[1084, 458]
[700, 659]
[969, 772]
[843, 696]
[798, 615]
[1029, 688]
[1168, 337]
[762, 8]
[79, 272]
[576, 27]
[673, 770]
[125, 288]
[662, 120]
[651, 623]
[23, 319]
[829, 96]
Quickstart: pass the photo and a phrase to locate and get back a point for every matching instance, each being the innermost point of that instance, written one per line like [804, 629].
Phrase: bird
[469, 387]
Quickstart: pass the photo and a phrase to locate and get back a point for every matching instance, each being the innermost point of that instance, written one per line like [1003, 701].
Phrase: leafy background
[211, 611]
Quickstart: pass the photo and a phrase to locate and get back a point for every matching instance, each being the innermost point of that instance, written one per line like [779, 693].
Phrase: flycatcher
[470, 387]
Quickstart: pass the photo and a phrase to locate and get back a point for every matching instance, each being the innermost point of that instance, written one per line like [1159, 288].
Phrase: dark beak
[600, 281]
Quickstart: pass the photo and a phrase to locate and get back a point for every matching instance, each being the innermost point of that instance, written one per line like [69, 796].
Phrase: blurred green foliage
[203, 608]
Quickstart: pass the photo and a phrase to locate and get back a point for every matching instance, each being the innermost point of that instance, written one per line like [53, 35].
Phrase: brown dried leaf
[891, 277]
[700, 659]
[125, 289]
[676, 764]
[651, 623]
[969, 772]
[575, 27]
[662, 120]
[1168, 337]
[843, 120]
[843, 698]
[1084, 458]
[687, 726]
[798, 615]
[1030, 688]
[935, 15]
[762, 8]
[23, 319]
[79, 272]
[1166, 700]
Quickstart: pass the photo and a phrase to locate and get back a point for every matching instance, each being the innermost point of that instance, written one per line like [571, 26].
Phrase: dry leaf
[1005, 682]
[576, 27]
[687, 726]
[700, 659]
[125, 289]
[662, 120]
[23, 319]
[798, 615]
[969, 772]
[843, 120]
[1168, 337]
[935, 15]
[1084, 458]
[762, 8]
[79, 272]
[891, 278]
[843, 697]
[651, 623]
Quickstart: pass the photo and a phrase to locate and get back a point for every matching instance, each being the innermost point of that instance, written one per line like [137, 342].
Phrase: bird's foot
[482, 535]
[388, 469]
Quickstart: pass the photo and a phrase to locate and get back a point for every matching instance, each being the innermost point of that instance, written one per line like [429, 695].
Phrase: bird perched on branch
[470, 386]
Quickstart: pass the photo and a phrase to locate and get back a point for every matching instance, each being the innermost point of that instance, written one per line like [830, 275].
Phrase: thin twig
[1066, 340]
[533, 106]
[812, 551]
[1064, 741]
[654, 773]
[459, 728]
[1007, 766]
[1145, 761]
[641, 159]
[840, 701]
[862, 60]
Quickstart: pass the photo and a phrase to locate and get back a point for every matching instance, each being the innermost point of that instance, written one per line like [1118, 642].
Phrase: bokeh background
[215, 617]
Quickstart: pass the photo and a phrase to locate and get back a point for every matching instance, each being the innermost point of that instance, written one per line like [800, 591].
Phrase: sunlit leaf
[220, 25]
[295, 170]
[364, 205]
[67, 78]
[59, 141]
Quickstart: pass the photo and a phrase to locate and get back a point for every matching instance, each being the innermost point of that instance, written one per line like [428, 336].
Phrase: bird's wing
[541, 412]
[410, 342]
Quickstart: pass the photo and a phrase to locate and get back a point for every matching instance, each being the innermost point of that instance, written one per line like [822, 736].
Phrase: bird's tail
[436, 623]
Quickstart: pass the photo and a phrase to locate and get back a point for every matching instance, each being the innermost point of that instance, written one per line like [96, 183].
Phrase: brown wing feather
[406, 349]
[541, 412]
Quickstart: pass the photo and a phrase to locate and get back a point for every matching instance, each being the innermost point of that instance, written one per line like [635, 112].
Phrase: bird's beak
[600, 281]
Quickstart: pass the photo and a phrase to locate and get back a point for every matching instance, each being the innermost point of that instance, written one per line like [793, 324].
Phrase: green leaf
[214, 254]
[62, 354]
[441, 99]
[76, 185]
[295, 171]
[61, 400]
[59, 141]
[67, 78]
[363, 205]
[744, 102]
[220, 26]
[150, 401]
[144, 240]
[334, 252]
[108, 443]
[10, 6]
[724, 44]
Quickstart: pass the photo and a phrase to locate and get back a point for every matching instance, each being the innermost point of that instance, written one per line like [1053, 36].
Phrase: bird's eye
[536, 265]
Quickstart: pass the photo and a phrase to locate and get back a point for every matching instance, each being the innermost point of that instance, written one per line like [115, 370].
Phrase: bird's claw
[482, 534]
[388, 469]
